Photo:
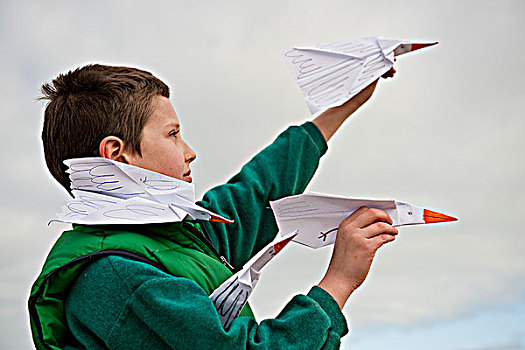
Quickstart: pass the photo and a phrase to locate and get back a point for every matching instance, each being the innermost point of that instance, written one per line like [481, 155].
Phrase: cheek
[175, 158]
[165, 158]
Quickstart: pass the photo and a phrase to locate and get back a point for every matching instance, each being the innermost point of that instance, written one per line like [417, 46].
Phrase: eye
[174, 133]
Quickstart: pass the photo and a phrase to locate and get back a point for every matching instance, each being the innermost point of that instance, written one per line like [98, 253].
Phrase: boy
[147, 285]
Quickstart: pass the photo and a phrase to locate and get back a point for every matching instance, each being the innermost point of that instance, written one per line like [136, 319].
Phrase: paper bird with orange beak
[231, 296]
[317, 217]
[331, 74]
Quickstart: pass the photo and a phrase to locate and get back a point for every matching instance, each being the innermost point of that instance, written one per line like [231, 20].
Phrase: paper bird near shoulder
[110, 192]
[317, 216]
[331, 74]
[231, 296]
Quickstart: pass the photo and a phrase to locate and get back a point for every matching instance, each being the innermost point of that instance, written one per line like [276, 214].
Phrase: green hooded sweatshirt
[147, 286]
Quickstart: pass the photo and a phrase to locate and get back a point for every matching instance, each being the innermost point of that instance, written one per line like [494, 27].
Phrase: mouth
[187, 176]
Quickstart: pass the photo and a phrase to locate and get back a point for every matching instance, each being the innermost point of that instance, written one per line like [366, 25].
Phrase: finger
[364, 216]
[379, 228]
[379, 240]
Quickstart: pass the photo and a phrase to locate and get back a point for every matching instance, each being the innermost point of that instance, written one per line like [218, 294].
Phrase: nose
[189, 154]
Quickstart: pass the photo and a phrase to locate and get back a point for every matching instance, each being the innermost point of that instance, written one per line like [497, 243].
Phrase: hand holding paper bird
[331, 74]
[359, 237]
[318, 216]
[359, 227]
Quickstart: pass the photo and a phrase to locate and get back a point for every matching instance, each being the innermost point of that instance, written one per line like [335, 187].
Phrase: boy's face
[162, 147]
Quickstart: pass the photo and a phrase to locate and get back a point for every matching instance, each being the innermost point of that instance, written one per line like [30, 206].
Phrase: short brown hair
[93, 102]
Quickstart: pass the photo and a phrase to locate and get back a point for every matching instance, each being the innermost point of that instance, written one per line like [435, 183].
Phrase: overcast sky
[446, 133]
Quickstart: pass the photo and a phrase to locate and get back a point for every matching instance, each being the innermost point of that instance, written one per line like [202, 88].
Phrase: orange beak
[217, 219]
[420, 46]
[431, 216]
[278, 246]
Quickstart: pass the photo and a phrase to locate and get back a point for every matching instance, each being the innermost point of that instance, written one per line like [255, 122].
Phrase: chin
[185, 178]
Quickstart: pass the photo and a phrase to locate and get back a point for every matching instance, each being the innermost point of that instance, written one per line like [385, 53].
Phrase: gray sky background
[446, 133]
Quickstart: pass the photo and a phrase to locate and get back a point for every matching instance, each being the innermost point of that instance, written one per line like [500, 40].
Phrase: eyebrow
[173, 125]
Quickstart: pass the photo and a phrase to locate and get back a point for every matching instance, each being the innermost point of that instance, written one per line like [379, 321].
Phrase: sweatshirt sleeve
[284, 168]
[147, 308]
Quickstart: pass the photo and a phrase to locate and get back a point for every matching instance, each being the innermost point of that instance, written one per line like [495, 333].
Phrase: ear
[111, 147]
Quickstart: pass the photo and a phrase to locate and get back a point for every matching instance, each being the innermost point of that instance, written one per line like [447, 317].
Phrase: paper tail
[430, 216]
[417, 46]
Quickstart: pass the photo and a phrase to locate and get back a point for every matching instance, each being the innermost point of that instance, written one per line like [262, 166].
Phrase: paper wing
[163, 188]
[230, 298]
[91, 208]
[101, 176]
[331, 74]
[326, 80]
[121, 180]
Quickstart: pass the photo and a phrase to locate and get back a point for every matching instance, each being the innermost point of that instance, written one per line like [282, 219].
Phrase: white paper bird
[317, 216]
[111, 192]
[231, 296]
[331, 74]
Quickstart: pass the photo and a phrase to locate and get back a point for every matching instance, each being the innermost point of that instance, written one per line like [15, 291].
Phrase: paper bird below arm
[317, 216]
[331, 74]
[231, 296]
